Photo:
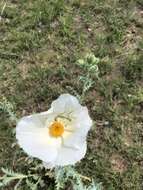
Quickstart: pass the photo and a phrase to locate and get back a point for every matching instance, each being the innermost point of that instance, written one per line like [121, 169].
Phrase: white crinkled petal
[68, 156]
[34, 137]
[82, 120]
[80, 127]
[75, 139]
[65, 103]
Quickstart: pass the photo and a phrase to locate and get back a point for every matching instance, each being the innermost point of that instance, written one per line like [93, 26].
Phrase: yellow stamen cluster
[56, 129]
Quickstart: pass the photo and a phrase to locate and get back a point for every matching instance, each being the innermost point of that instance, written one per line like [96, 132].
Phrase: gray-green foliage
[10, 176]
[63, 176]
[8, 107]
[69, 174]
[89, 64]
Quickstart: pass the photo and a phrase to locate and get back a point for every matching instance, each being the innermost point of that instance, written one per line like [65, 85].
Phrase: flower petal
[34, 138]
[80, 127]
[75, 139]
[68, 156]
[65, 103]
[71, 155]
[81, 120]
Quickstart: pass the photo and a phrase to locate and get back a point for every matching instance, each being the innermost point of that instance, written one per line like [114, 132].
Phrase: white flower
[58, 136]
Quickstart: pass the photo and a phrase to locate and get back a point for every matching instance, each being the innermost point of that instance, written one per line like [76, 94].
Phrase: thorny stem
[19, 176]
[84, 87]
[85, 177]
[3, 8]
[61, 116]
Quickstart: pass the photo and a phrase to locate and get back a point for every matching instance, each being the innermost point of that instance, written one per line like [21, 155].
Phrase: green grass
[40, 43]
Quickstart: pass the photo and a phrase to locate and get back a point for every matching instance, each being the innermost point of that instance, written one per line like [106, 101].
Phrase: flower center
[56, 129]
